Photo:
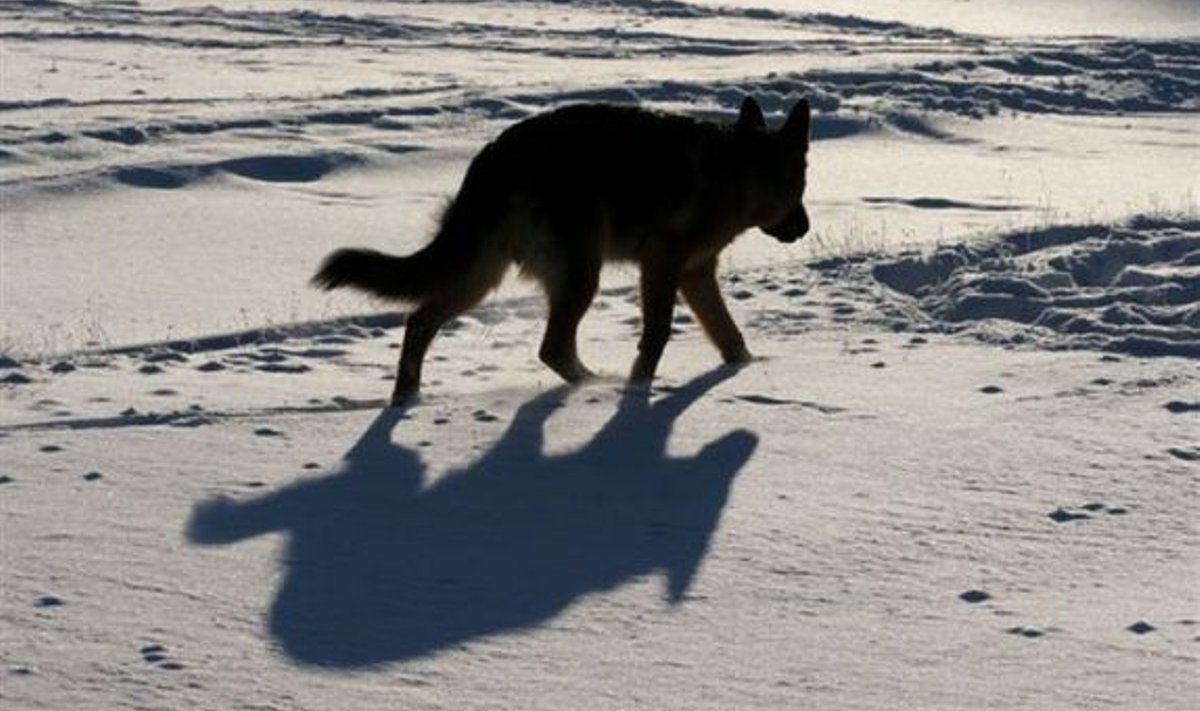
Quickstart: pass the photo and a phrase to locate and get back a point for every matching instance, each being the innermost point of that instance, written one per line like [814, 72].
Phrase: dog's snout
[792, 227]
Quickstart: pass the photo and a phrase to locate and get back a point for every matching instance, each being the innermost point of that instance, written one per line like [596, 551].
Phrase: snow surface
[962, 472]
[250, 138]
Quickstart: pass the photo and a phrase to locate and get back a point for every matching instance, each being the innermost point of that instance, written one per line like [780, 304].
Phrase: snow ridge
[1132, 289]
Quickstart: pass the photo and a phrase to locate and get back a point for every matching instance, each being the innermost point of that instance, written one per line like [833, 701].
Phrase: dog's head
[776, 163]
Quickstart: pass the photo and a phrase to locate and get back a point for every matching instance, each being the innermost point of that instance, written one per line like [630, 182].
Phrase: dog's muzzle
[792, 227]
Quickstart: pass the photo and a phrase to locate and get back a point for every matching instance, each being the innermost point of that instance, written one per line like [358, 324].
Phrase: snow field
[962, 472]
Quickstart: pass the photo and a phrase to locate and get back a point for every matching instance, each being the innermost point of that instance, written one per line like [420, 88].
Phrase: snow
[1117, 289]
[961, 473]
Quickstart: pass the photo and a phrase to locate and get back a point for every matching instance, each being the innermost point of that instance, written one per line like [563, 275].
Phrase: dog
[561, 193]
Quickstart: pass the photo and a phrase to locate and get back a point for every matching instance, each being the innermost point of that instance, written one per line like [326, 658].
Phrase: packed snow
[961, 472]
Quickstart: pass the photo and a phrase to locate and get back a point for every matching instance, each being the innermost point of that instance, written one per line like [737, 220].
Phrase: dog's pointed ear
[750, 117]
[799, 122]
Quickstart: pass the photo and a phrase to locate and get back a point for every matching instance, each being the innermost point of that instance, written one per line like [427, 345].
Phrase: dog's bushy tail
[408, 278]
[465, 250]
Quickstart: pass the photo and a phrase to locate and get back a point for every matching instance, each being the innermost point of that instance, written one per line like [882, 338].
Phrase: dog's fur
[563, 192]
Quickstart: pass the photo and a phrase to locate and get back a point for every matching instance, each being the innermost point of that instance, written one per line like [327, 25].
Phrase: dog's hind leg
[699, 287]
[423, 324]
[570, 295]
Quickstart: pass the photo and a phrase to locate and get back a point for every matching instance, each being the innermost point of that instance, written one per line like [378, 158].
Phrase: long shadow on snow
[381, 567]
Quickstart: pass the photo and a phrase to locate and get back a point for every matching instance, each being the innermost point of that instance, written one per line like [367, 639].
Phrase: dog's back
[642, 174]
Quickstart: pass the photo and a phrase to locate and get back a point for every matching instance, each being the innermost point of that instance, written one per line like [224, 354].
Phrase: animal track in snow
[1061, 515]
[157, 654]
[1187, 454]
[975, 596]
[1064, 515]
[283, 368]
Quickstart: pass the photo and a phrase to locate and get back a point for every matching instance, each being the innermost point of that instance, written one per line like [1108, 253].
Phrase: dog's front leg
[700, 290]
[660, 281]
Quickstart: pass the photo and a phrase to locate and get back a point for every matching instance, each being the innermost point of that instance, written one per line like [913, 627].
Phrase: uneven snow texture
[1132, 289]
[137, 103]
[864, 518]
[205, 505]
[248, 139]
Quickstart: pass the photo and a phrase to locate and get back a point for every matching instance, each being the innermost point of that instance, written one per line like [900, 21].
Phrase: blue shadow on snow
[381, 567]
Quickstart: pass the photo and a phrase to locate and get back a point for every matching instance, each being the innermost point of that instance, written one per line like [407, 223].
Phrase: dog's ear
[799, 123]
[750, 117]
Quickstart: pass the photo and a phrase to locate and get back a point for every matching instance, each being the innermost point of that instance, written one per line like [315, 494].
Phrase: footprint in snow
[1187, 454]
[321, 353]
[975, 596]
[1061, 515]
[285, 368]
[1096, 507]
[157, 654]
[153, 653]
